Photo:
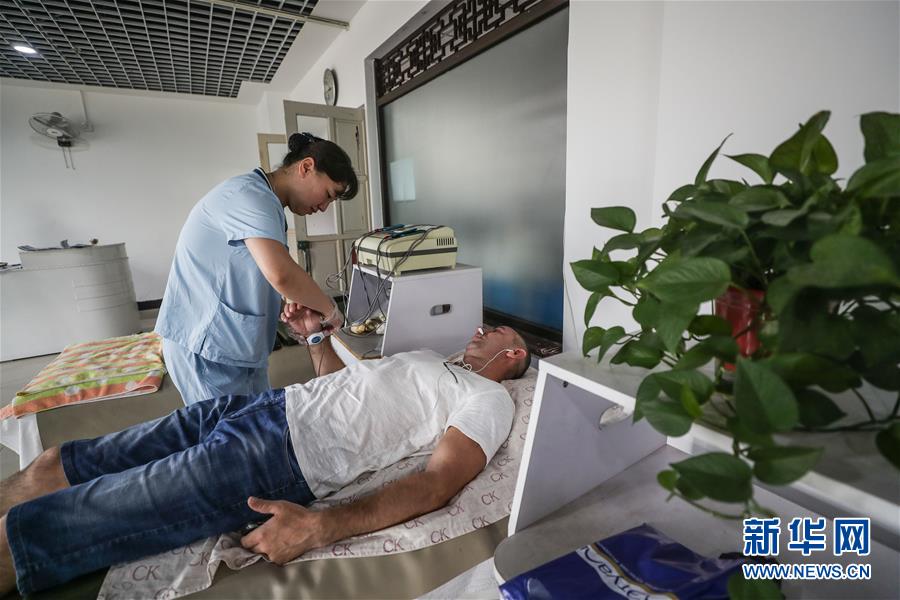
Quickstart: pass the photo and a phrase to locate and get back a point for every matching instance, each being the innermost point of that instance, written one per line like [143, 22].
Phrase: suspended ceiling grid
[186, 46]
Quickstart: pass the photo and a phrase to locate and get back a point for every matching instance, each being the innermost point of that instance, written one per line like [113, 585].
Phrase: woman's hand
[301, 320]
[333, 321]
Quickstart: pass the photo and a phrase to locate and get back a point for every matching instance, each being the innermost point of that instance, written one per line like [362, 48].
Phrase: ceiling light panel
[186, 46]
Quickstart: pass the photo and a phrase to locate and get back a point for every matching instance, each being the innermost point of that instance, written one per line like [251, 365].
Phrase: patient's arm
[325, 360]
[294, 529]
[306, 321]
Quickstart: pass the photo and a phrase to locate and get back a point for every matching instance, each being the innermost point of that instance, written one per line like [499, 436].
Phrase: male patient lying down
[215, 466]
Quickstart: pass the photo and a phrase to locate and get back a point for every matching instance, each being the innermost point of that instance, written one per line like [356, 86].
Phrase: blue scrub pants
[157, 486]
[200, 379]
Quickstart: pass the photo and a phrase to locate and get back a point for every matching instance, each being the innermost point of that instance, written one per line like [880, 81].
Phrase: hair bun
[298, 141]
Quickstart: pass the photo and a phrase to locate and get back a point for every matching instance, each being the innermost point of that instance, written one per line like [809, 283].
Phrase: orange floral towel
[115, 368]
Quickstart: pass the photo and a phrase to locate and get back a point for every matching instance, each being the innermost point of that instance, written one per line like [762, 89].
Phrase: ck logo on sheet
[455, 510]
[413, 524]
[479, 522]
[165, 594]
[489, 498]
[342, 550]
[145, 572]
[392, 545]
[439, 535]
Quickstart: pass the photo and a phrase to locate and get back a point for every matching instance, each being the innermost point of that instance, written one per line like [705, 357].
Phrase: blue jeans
[157, 486]
[200, 379]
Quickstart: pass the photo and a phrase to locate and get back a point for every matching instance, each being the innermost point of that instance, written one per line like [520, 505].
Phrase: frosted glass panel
[277, 152]
[482, 148]
[318, 126]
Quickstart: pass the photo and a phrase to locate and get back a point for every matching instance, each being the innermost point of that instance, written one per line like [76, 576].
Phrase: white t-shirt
[371, 414]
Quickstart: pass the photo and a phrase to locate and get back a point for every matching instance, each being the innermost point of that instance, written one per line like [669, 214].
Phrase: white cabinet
[66, 296]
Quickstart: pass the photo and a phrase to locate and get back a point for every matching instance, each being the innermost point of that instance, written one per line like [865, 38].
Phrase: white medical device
[402, 248]
[436, 309]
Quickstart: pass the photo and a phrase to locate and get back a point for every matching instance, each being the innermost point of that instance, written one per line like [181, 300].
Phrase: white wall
[375, 22]
[654, 87]
[148, 161]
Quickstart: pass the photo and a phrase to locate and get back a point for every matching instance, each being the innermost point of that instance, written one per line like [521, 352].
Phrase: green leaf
[609, 339]
[817, 410]
[718, 476]
[780, 465]
[683, 193]
[698, 238]
[888, 443]
[623, 241]
[723, 347]
[742, 434]
[671, 382]
[881, 131]
[646, 311]
[689, 402]
[760, 198]
[726, 187]
[614, 217]
[667, 479]
[692, 280]
[823, 157]
[757, 162]
[842, 260]
[648, 391]
[671, 322]
[794, 156]
[592, 338]
[752, 589]
[667, 417]
[877, 179]
[591, 307]
[783, 217]
[701, 174]
[595, 275]
[724, 215]
[801, 369]
[878, 349]
[694, 358]
[764, 402]
[781, 291]
[626, 269]
[709, 325]
[687, 490]
[637, 354]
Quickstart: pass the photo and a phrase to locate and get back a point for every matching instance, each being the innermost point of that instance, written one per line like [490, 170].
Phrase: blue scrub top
[217, 303]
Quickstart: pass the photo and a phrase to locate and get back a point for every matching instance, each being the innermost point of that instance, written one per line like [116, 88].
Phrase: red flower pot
[741, 308]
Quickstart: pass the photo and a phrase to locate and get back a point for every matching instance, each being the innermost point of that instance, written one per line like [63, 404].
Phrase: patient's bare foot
[42, 476]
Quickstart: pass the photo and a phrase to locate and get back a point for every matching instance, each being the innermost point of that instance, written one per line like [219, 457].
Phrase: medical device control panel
[402, 248]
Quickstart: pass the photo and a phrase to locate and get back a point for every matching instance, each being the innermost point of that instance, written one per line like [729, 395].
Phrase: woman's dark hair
[329, 158]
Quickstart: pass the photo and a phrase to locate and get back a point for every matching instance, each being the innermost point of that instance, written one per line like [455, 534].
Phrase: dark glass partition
[481, 148]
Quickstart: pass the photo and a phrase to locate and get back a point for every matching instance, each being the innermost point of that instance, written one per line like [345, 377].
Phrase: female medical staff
[231, 268]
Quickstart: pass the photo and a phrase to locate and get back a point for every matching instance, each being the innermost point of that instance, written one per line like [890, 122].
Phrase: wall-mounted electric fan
[55, 126]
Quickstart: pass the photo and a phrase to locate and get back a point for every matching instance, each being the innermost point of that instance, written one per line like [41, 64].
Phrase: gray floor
[288, 365]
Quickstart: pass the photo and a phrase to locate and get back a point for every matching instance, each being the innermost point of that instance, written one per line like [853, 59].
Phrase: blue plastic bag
[639, 564]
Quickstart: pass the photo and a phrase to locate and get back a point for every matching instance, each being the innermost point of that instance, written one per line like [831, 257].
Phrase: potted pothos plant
[805, 273]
